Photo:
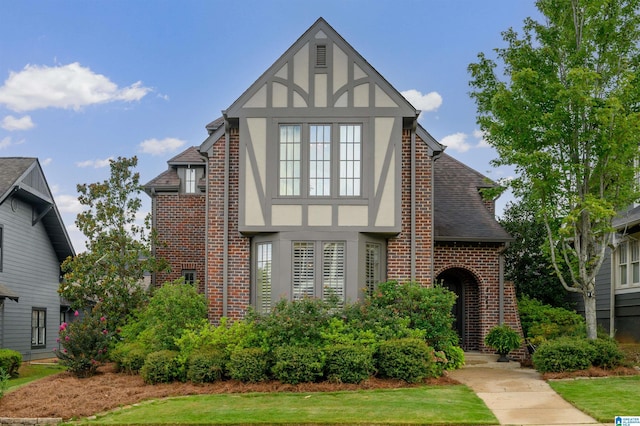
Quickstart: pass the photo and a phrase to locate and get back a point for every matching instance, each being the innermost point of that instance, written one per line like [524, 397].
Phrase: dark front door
[455, 285]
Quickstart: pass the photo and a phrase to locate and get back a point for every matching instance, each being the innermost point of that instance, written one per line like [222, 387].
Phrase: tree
[119, 251]
[526, 259]
[567, 119]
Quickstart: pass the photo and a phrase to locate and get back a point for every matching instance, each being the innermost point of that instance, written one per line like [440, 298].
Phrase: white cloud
[482, 143]
[6, 142]
[46, 161]
[69, 86]
[457, 142]
[428, 102]
[12, 123]
[160, 146]
[68, 204]
[96, 164]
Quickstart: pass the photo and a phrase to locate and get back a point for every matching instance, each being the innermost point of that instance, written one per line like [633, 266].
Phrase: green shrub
[410, 360]
[206, 366]
[298, 364]
[542, 322]
[503, 339]
[249, 365]
[606, 353]
[427, 308]
[10, 361]
[563, 354]
[454, 357]
[129, 357]
[4, 381]
[369, 319]
[298, 323]
[173, 308]
[85, 344]
[348, 363]
[228, 336]
[162, 367]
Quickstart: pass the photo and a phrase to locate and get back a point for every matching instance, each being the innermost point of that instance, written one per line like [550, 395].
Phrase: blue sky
[85, 81]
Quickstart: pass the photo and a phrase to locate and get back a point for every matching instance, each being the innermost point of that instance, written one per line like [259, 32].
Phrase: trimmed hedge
[606, 353]
[249, 365]
[129, 357]
[206, 366]
[411, 360]
[161, 367]
[563, 354]
[10, 361]
[298, 364]
[348, 363]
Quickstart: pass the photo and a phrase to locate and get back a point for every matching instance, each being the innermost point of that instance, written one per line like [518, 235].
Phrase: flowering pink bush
[84, 343]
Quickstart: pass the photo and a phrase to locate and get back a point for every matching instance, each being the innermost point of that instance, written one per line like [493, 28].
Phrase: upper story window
[628, 264]
[190, 181]
[320, 160]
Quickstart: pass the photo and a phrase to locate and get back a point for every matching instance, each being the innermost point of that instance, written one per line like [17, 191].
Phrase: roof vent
[321, 55]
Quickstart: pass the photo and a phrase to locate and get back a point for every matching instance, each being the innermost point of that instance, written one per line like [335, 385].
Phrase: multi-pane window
[264, 253]
[303, 269]
[372, 267]
[38, 327]
[190, 181]
[350, 160]
[311, 154]
[290, 159]
[319, 160]
[189, 276]
[628, 263]
[333, 273]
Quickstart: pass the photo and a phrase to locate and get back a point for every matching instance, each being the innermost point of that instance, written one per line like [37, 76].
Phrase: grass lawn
[602, 398]
[30, 372]
[412, 406]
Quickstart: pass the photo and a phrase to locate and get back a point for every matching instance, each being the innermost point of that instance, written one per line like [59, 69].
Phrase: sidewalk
[517, 396]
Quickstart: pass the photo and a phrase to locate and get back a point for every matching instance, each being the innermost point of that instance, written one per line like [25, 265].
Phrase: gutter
[501, 283]
[412, 248]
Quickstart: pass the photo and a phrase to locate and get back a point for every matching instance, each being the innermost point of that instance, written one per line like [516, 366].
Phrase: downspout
[612, 298]
[206, 228]
[225, 229]
[154, 223]
[501, 283]
[412, 248]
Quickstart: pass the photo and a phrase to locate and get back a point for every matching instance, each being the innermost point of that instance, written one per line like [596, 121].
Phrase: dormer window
[190, 181]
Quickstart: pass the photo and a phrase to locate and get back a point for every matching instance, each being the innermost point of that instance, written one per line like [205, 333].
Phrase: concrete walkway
[517, 396]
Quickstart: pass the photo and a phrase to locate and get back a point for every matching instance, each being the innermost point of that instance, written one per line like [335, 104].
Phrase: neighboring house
[320, 179]
[618, 281]
[33, 244]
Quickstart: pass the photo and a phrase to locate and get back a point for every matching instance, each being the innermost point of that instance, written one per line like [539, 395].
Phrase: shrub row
[576, 353]
[542, 322]
[409, 359]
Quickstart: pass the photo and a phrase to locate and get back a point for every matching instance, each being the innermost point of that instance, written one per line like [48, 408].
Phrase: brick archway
[466, 310]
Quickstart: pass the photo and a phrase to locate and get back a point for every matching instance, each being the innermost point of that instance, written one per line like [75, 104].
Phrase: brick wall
[481, 261]
[180, 222]
[399, 247]
[238, 283]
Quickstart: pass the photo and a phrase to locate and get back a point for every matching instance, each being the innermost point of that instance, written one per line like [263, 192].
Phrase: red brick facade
[239, 249]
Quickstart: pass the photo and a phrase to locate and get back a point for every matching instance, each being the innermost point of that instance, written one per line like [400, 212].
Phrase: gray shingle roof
[11, 169]
[190, 155]
[460, 214]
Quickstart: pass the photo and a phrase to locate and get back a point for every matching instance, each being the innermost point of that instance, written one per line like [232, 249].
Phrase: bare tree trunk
[589, 299]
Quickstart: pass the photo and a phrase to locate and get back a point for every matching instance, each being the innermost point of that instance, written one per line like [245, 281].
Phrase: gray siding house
[618, 282]
[33, 244]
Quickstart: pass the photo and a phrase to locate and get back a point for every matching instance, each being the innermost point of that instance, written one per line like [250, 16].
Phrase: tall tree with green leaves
[119, 250]
[566, 117]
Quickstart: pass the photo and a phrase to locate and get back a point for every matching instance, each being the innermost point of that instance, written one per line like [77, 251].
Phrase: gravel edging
[13, 421]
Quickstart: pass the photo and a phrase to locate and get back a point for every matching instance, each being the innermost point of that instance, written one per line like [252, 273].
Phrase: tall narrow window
[190, 181]
[333, 275]
[263, 277]
[634, 247]
[303, 270]
[319, 160]
[372, 267]
[290, 160]
[38, 327]
[622, 263]
[350, 159]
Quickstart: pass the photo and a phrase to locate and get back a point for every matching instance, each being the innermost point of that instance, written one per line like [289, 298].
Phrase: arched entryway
[466, 309]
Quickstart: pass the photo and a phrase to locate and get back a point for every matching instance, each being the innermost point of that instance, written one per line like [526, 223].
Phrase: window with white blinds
[303, 269]
[333, 273]
[372, 267]
[190, 181]
[263, 276]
